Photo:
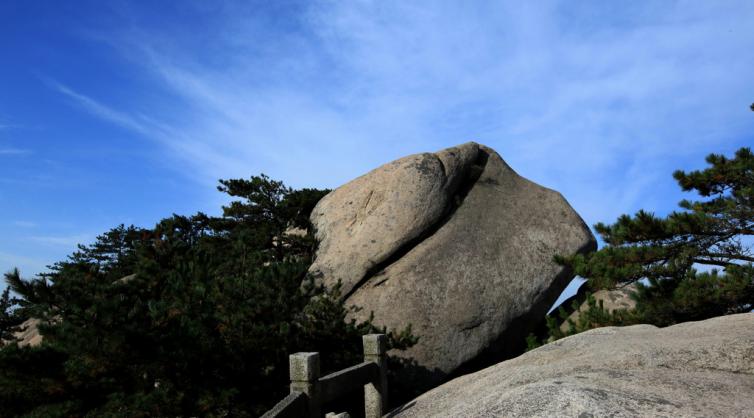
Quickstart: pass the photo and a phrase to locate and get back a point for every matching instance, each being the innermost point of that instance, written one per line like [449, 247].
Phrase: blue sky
[126, 112]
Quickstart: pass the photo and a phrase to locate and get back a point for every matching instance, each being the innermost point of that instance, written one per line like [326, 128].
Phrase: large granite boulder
[454, 243]
[694, 369]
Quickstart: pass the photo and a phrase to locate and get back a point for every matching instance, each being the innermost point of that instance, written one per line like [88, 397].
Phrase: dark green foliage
[203, 328]
[9, 318]
[593, 315]
[532, 342]
[666, 251]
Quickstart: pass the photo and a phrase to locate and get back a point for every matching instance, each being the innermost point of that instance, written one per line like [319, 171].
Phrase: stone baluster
[375, 394]
[304, 371]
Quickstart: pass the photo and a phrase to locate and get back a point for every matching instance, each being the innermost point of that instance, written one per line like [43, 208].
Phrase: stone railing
[309, 391]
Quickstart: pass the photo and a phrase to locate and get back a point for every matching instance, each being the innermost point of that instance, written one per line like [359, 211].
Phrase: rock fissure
[456, 244]
[454, 202]
[472, 326]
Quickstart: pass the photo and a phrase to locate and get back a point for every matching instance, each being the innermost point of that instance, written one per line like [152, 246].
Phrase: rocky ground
[694, 369]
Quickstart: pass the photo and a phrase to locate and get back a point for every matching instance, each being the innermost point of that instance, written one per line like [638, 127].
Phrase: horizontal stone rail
[334, 384]
[292, 406]
[309, 391]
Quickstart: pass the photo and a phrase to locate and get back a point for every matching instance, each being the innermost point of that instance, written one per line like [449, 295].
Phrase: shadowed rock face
[454, 243]
[693, 369]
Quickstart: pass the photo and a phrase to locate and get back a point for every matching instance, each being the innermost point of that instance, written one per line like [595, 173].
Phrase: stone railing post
[304, 371]
[375, 394]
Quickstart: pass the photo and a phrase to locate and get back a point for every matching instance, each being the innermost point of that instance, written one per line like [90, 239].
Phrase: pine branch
[712, 262]
[728, 256]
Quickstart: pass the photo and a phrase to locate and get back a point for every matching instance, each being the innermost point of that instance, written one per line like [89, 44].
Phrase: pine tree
[9, 318]
[712, 235]
[195, 317]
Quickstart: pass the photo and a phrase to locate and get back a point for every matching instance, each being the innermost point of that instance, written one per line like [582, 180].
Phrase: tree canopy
[9, 317]
[692, 264]
[194, 317]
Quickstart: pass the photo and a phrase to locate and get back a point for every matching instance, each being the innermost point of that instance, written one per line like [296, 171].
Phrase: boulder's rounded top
[364, 222]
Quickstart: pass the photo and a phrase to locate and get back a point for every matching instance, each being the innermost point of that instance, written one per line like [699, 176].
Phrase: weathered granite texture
[694, 369]
[28, 334]
[362, 223]
[454, 243]
[612, 300]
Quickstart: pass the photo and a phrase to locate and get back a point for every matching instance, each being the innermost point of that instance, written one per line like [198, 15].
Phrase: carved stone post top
[374, 344]
[304, 367]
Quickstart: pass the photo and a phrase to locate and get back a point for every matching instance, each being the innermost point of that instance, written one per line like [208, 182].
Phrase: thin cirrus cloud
[98, 109]
[67, 241]
[600, 104]
[25, 224]
[14, 151]
[22, 262]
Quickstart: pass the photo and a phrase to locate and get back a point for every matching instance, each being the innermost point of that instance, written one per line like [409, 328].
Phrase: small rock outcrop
[454, 243]
[693, 369]
[611, 300]
[28, 333]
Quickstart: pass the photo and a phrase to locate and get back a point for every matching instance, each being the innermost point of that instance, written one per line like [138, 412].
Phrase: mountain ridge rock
[703, 368]
[458, 245]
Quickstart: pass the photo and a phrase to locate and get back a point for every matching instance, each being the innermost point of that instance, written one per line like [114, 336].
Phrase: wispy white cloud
[14, 151]
[70, 241]
[5, 124]
[600, 104]
[25, 224]
[98, 109]
[26, 265]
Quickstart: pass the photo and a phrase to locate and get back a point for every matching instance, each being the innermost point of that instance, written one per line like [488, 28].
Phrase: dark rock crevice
[461, 247]
[470, 179]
